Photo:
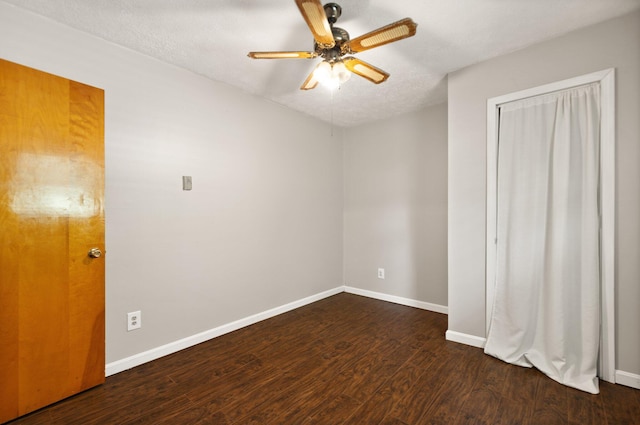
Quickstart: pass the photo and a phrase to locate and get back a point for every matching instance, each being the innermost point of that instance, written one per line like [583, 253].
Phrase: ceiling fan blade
[282, 55]
[365, 70]
[313, 13]
[311, 82]
[393, 32]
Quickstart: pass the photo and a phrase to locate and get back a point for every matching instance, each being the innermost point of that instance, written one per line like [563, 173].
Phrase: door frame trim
[606, 78]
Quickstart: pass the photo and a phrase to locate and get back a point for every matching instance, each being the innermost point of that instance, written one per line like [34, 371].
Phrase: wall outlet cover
[134, 320]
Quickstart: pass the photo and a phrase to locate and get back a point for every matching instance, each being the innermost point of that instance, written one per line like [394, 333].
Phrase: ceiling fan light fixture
[331, 75]
[340, 71]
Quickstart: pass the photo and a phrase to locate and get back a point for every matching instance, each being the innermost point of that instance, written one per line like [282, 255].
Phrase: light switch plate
[186, 182]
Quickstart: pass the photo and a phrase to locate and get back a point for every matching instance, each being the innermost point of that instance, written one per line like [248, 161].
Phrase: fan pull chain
[331, 107]
[333, 91]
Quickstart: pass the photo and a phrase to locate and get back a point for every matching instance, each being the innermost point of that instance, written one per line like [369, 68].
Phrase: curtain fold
[546, 310]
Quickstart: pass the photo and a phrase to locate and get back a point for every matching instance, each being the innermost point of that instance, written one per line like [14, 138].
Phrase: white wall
[615, 43]
[262, 226]
[395, 206]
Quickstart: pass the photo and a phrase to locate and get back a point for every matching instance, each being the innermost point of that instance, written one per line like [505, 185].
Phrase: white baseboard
[398, 300]
[472, 340]
[164, 350]
[624, 378]
[629, 379]
[175, 346]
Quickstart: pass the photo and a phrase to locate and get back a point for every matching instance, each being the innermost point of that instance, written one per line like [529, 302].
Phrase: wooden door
[51, 215]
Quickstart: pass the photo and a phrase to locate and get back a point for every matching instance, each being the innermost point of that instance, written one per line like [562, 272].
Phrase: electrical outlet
[380, 273]
[134, 320]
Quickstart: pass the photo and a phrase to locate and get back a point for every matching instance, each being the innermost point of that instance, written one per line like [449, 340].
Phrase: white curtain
[546, 310]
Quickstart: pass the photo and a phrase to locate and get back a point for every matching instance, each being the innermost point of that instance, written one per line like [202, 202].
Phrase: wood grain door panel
[51, 214]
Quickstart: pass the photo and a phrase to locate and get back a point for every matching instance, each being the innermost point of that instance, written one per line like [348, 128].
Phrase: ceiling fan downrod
[341, 37]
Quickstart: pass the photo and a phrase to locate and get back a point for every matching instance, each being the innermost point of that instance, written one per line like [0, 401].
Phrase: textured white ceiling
[213, 37]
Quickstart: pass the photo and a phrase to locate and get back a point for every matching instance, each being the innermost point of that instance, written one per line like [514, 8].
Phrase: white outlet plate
[134, 320]
[380, 273]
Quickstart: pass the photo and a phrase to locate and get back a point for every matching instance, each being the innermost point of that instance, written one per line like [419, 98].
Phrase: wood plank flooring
[343, 360]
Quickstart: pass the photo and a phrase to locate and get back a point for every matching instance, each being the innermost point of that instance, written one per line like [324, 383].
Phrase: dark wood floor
[342, 360]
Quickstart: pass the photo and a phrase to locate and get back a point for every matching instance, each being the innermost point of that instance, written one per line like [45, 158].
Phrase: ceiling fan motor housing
[340, 48]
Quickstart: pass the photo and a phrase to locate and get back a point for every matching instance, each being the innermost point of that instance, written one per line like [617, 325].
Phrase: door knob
[95, 253]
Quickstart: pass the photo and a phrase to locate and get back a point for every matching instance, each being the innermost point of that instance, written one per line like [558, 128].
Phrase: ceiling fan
[333, 44]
